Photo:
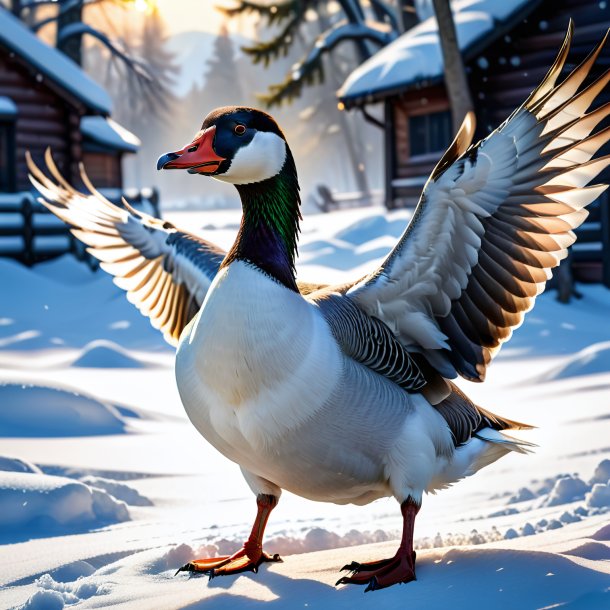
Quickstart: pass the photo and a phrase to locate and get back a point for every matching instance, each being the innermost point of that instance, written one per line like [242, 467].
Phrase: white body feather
[264, 381]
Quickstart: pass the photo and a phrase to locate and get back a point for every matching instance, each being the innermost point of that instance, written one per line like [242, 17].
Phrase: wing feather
[491, 224]
[367, 340]
[165, 272]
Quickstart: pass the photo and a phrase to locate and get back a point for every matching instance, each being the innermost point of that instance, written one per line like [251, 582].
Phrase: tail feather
[510, 443]
[465, 419]
[479, 436]
[497, 444]
[503, 423]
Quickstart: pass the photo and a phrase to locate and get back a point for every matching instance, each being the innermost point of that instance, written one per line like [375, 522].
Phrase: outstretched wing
[166, 272]
[491, 224]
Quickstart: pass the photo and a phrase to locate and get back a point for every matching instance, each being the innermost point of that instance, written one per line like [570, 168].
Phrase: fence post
[154, 200]
[29, 256]
[604, 205]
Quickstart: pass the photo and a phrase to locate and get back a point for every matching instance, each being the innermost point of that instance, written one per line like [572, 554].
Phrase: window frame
[427, 113]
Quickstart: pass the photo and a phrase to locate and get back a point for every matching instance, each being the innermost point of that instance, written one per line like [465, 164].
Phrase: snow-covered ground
[105, 488]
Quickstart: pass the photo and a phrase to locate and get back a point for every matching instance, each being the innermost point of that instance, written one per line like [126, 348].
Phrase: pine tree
[221, 86]
[161, 64]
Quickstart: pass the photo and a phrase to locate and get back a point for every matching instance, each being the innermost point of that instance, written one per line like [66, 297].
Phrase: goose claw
[380, 574]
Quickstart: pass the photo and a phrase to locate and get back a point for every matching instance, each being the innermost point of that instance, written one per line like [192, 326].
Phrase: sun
[144, 6]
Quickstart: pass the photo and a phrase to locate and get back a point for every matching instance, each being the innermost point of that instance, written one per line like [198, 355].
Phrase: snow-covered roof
[7, 107]
[52, 63]
[107, 132]
[416, 55]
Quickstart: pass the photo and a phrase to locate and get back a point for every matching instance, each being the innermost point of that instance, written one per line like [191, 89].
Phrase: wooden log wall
[43, 119]
[503, 75]
[103, 169]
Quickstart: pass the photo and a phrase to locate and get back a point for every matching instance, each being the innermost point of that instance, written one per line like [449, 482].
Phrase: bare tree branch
[384, 12]
[79, 29]
[64, 7]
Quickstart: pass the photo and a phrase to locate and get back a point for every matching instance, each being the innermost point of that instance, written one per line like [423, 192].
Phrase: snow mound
[567, 517]
[176, 557]
[120, 491]
[39, 411]
[568, 489]
[28, 500]
[366, 229]
[588, 361]
[73, 571]
[591, 550]
[602, 534]
[599, 496]
[522, 495]
[44, 600]
[601, 473]
[63, 271]
[16, 465]
[104, 354]
[53, 594]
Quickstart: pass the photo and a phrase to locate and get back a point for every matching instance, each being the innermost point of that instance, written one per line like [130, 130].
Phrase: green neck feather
[269, 228]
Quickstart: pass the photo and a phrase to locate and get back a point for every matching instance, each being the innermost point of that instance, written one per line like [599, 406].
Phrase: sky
[188, 15]
[179, 15]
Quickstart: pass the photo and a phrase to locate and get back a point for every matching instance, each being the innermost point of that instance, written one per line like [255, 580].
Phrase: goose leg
[387, 572]
[250, 556]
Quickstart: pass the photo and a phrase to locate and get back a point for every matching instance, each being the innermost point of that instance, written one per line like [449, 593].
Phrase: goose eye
[239, 130]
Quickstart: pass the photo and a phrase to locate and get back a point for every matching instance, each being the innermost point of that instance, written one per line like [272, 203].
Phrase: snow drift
[40, 501]
[40, 411]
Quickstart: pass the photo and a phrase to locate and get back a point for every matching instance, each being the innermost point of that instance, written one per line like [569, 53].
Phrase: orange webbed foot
[244, 560]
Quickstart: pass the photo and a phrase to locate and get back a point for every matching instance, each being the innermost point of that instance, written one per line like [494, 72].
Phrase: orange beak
[198, 157]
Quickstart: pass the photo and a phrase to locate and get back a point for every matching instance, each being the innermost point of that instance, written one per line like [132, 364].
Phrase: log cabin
[507, 48]
[46, 100]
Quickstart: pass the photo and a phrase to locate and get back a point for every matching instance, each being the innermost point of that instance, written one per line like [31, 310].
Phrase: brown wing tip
[548, 82]
[130, 208]
[460, 144]
[466, 131]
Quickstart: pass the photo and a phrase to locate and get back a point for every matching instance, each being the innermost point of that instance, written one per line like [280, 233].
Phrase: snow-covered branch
[310, 69]
[274, 13]
[278, 46]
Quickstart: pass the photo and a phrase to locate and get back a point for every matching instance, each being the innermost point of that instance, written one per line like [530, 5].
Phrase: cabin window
[8, 167]
[429, 133]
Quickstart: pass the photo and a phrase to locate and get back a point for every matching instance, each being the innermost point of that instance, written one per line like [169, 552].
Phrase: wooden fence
[30, 233]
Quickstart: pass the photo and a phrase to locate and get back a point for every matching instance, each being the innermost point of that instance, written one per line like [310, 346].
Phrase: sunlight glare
[144, 6]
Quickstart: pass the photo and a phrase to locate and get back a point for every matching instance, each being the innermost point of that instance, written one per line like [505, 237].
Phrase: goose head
[245, 147]
[235, 144]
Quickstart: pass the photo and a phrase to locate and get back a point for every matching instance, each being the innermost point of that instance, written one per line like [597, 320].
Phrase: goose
[344, 393]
